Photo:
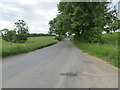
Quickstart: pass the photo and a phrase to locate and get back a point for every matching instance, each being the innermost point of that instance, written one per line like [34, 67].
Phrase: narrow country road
[59, 66]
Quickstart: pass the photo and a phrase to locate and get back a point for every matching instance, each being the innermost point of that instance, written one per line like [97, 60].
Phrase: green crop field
[32, 43]
[107, 51]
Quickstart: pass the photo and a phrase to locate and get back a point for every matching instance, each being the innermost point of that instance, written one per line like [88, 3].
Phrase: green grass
[33, 43]
[107, 51]
[111, 39]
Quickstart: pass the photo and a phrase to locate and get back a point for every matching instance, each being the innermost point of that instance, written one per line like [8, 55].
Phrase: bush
[18, 35]
[59, 38]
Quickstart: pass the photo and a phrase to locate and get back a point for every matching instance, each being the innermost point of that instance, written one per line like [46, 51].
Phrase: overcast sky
[36, 13]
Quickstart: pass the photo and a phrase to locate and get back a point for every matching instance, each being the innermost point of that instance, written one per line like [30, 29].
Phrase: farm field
[107, 51]
[32, 43]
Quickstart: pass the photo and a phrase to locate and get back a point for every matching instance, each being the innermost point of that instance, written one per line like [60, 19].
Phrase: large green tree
[87, 20]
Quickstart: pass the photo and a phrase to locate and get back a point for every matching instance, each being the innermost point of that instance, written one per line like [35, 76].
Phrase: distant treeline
[39, 35]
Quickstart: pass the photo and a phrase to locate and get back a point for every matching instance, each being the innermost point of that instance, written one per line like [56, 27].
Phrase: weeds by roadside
[33, 43]
[107, 51]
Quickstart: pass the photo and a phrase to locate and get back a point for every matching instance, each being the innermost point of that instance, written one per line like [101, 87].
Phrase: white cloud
[47, 14]
[6, 24]
[25, 2]
[37, 14]
[8, 8]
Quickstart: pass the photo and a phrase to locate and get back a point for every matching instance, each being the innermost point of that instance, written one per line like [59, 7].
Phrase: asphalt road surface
[59, 66]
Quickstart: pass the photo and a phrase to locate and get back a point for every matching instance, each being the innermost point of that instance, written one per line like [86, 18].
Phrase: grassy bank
[107, 51]
[33, 43]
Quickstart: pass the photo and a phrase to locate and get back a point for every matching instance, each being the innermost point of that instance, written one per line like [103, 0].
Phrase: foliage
[18, 35]
[58, 26]
[9, 36]
[33, 43]
[39, 34]
[59, 38]
[86, 20]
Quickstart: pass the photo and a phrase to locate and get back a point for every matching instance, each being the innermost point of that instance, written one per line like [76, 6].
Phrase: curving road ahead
[59, 66]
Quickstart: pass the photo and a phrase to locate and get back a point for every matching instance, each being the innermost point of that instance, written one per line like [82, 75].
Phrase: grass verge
[33, 43]
[107, 51]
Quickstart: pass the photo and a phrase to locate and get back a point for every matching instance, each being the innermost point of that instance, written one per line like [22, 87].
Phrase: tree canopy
[87, 20]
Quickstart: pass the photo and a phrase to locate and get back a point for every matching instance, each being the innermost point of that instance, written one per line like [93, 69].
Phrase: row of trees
[39, 35]
[87, 20]
[18, 35]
